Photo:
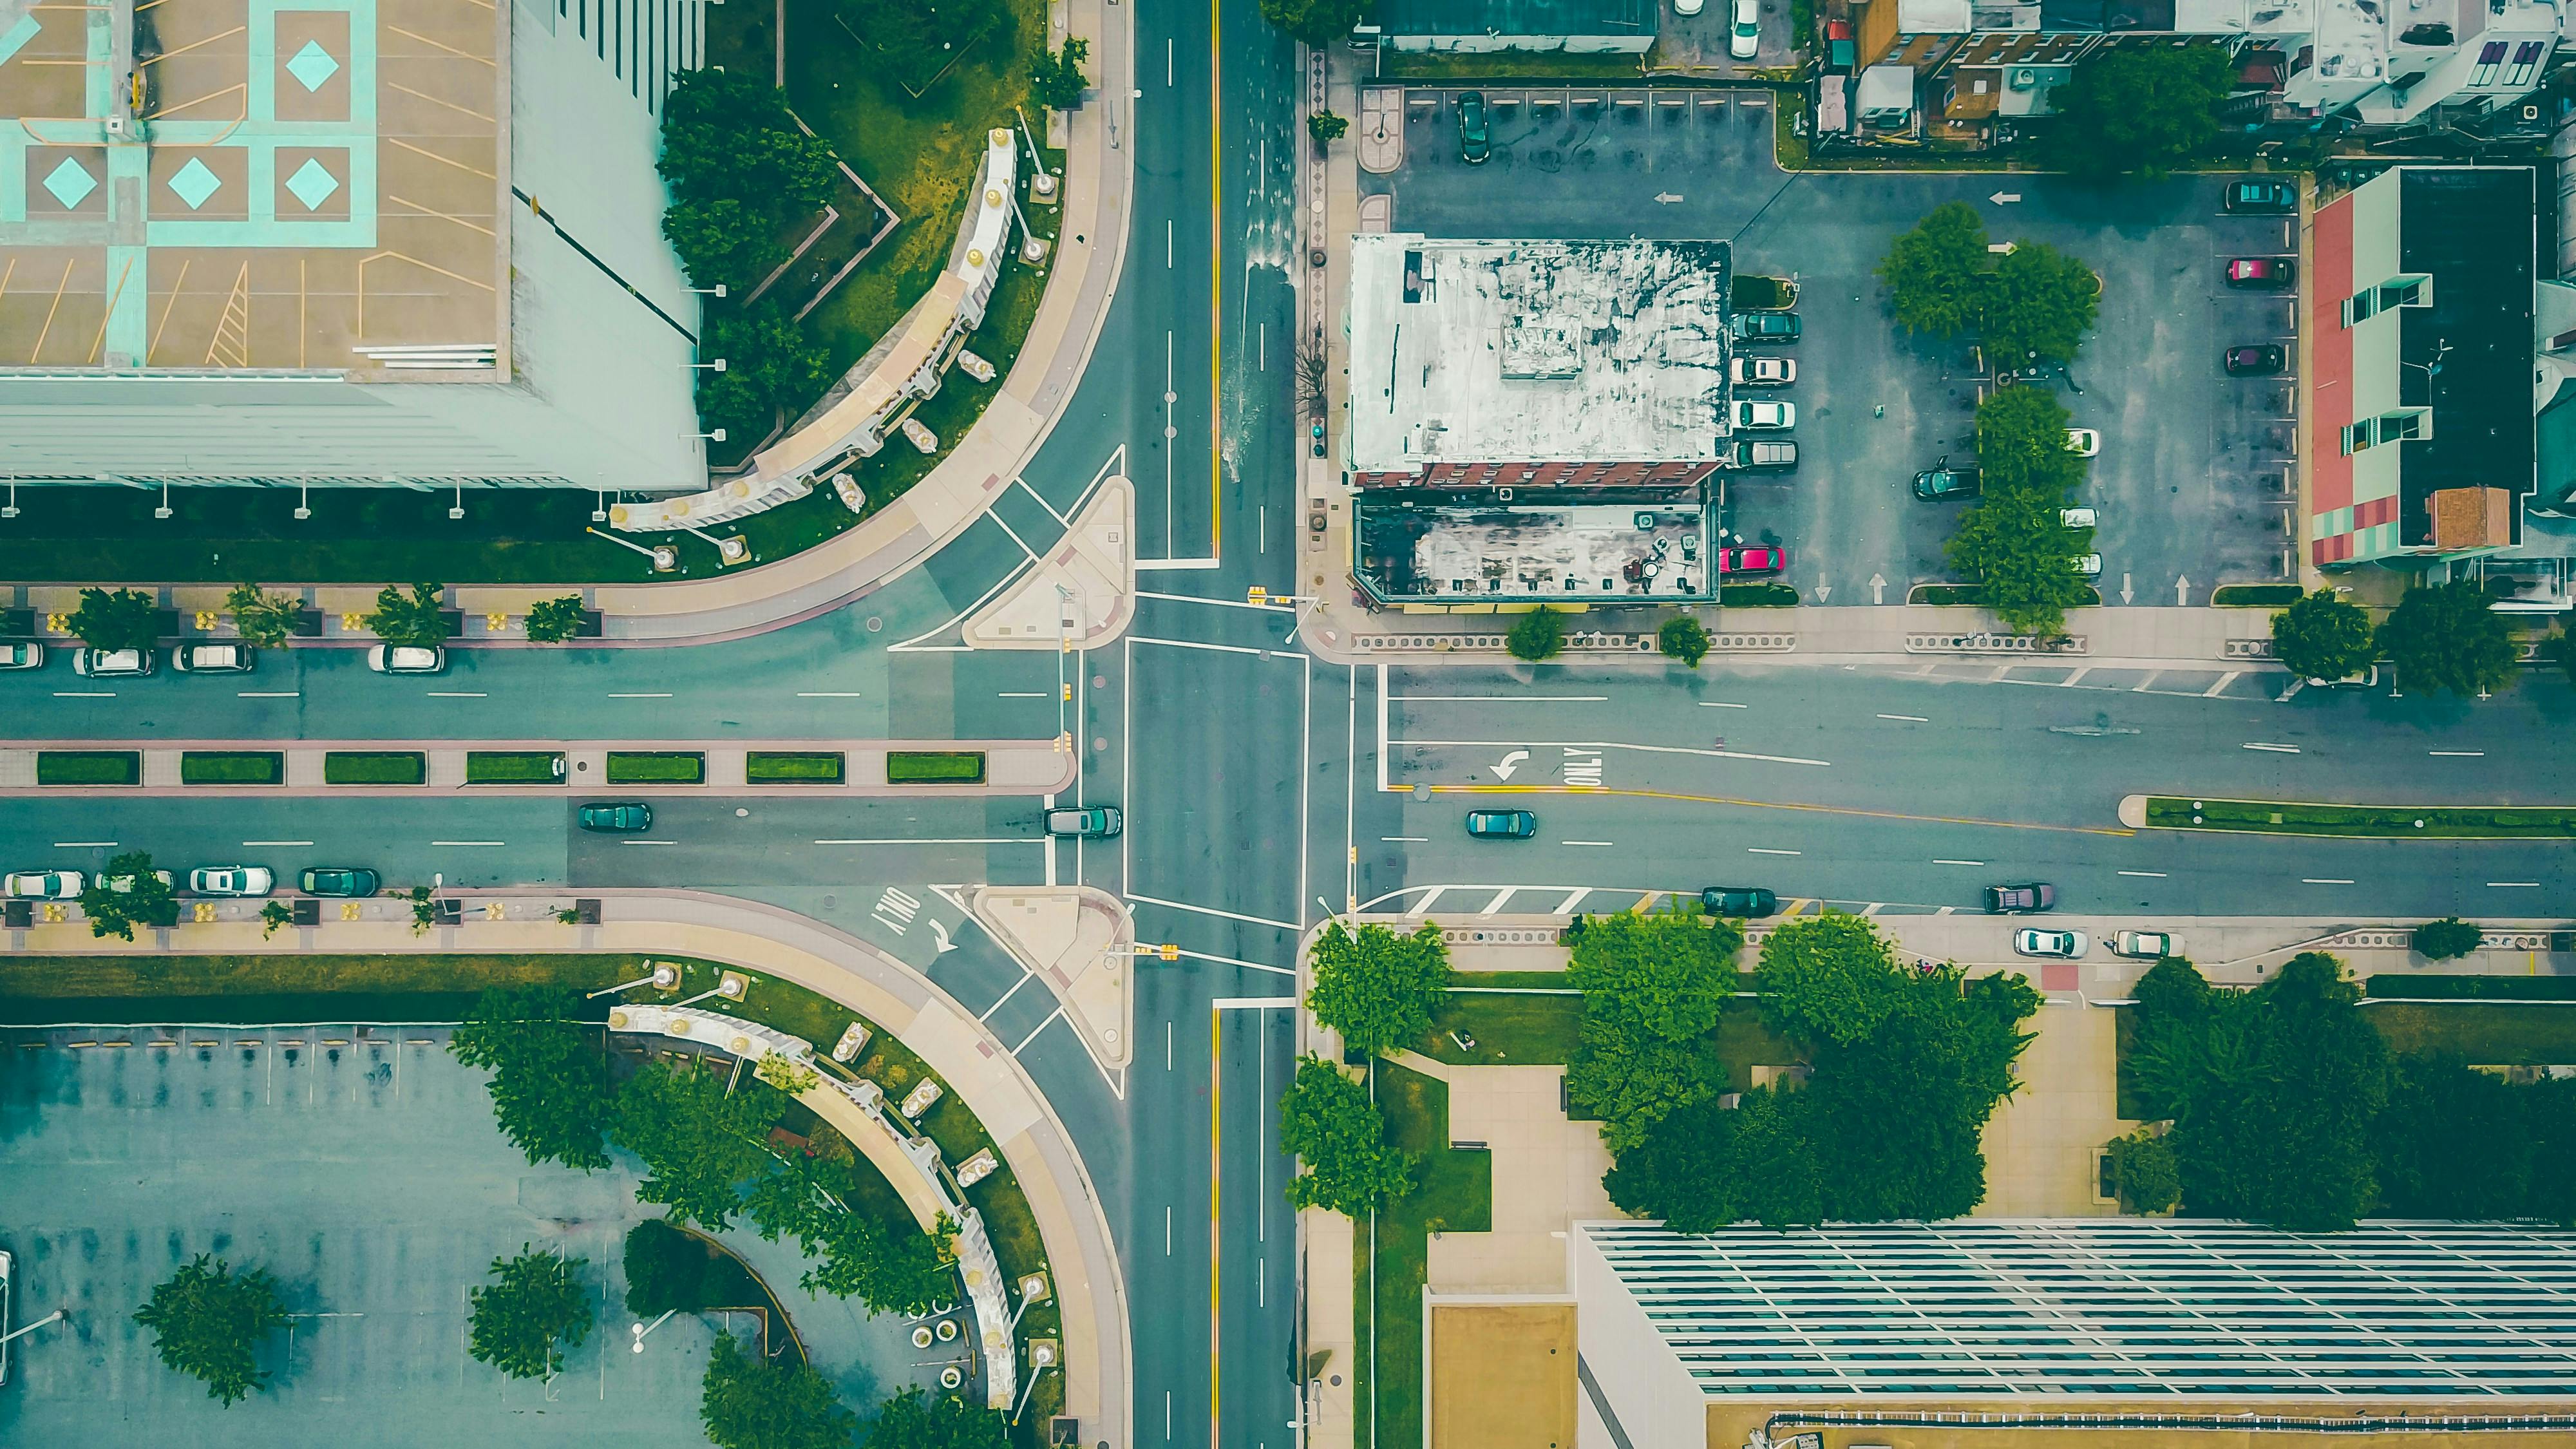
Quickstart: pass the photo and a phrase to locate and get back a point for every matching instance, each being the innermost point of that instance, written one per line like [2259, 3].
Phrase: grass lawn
[2495, 822]
[352, 767]
[1508, 1030]
[767, 767]
[2486, 1033]
[88, 767]
[1453, 1191]
[231, 767]
[277, 988]
[513, 767]
[644, 767]
[934, 767]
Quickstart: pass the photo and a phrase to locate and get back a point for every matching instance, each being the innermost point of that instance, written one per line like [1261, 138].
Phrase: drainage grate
[1994, 644]
[1464, 937]
[2249, 649]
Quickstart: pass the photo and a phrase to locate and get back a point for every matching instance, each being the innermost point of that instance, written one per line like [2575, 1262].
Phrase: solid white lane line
[1907, 718]
[640, 696]
[268, 693]
[1767, 850]
[2145, 874]
[1617, 745]
[457, 694]
[1052, 1018]
[1406, 839]
[1500, 698]
[84, 844]
[2457, 754]
[1025, 977]
[256, 843]
[2311, 880]
[1220, 648]
[469, 842]
[940, 840]
[2275, 749]
[1721, 704]
[1958, 862]
[1213, 911]
[1024, 694]
[827, 694]
[648, 842]
[84, 694]
[1587, 842]
[2504, 885]
[1234, 961]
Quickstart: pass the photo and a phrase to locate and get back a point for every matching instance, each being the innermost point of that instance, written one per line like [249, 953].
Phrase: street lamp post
[641, 1329]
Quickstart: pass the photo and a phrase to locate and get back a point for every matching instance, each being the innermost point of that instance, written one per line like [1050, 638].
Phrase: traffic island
[2361, 822]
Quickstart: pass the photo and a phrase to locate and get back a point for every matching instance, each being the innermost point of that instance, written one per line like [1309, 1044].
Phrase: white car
[22, 656]
[2083, 442]
[213, 659]
[406, 659]
[45, 885]
[124, 884]
[2056, 945]
[1762, 371]
[231, 880]
[1686, 7]
[2076, 517]
[111, 663]
[1765, 416]
[1745, 38]
[2145, 945]
[2089, 566]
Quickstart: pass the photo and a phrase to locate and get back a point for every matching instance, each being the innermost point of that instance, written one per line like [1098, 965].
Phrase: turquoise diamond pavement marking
[71, 183]
[195, 182]
[312, 184]
[312, 66]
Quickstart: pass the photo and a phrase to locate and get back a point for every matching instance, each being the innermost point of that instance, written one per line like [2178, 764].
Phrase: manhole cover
[875, 623]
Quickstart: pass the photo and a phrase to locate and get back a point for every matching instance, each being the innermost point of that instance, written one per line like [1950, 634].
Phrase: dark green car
[1475, 129]
[341, 880]
[617, 819]
[1932, 485]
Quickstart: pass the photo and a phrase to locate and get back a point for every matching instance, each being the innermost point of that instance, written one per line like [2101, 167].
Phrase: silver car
[406, 659]
[45, 885]
[231, 880]
[112, 663]
[214, 658]
[24, 654]
[2058, 945]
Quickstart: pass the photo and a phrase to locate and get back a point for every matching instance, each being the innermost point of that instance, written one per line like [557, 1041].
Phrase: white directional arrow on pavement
[1824, 591]
[2182, 591]
[939, 933]
[2126, 593]
[1510, 763]
[2004, 198]
[1667, 198]
[1878, 588]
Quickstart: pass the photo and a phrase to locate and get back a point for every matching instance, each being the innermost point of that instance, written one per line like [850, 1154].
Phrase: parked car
[2145, 945]
[1744, 39]
[1687, 7]
[214, 659]
[617, 819]
[2262, 194]
[1752, 561]
[22, 655]
[2087, 566]
[1090, 822]
[124, 884]
[112, 663]
[2061, 945]
[1765, 416]
[1777, 455]
[2367, 678]
[2078, 518]
[1748, 902]
[2025, 899]
[1840, 51]
[1762, 371]
[8, 1271]
[341, 880]
[2083, 442]
[2265, 273]
[1475, 129]
[1501, 824]
[231, 880]
[2256, 360]
[1942, 483]
[1767, 327]
[406, 659]
[46, 885]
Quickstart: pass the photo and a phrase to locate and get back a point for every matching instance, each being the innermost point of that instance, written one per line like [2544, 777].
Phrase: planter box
[513, 767]
[232, 767]
[89, 767]
[391, 767]
[935, 767]
[307, 624]
[308, 911]
[774, 767]
[636, 767]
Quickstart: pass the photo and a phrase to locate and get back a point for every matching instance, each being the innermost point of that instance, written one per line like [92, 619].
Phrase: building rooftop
[1465, 351]
[2468, 355]
[1516, 17]
[1459, 552]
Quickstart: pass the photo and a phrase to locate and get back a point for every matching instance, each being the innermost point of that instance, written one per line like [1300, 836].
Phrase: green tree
[2021, 441]
[1936, 274]
[274, 915]
[263, 620]
[1653, 987]
[549, 1069]
[1317, 22]
[552, 621]
[2023, 556]
[1682, 1169]
[116, 619]
[666, 1268]
[415, 621]
[1326, 128]
[771, 367]
[723, 242]
[2145, 1172]
[1539, 634]
[2137, 109]
[129, 893]
[1055, 77]
[1828, 978]
[1377, 988]
[2560, 649]
[1780, 1173]
[746, 1403]
[891, 1269]
[728, 134]
[2446, 637]
[916, 1419]
[2455, 1142]
[1898, 1119]
[208, 1323]
[1338, 1137]
[2323, 636]
[699, 1142]
[2039, 303]
[532, 1311]
[2447, 939]
[1684, 638]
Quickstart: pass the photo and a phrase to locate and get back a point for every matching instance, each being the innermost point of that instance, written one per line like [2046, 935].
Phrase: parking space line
[84, 845]
[2145, 874]
[2457, 754]
[1958, 862]
[2311, 880]
[2532, 885]
[1770, 850]
[2224, 680]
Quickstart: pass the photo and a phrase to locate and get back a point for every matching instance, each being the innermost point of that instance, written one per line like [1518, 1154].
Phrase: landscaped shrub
[645, 767]
[352, 767]
[1539, 635]
[2447, 939]
[1765, 594]
[232, 767]
[2145, 1172]
[781, 767]
[2414, 986]
[513, 767]
[934, 767]
[88, 767]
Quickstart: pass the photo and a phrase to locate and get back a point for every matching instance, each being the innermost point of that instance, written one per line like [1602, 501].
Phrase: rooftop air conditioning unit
[2025, 78]
[2530, 112]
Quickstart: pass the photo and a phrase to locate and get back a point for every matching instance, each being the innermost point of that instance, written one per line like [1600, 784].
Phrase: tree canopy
[113, 619]
[2447, 939]
[1936, 273]
[1828, 978]
[208, 1322]
[2013, 540]
[2137, 109]
[1377, 988]
[2323, 636]
[534, 1308]
[1317, 22]
[129, 893]
[2039, 303]
[549, 1068]
[1684, 638]
[2447, 637]
[1055, 77]
[552, 621]
[417, 620]
[917, 1419]
[889, 1267]
[1537, 635]
[2145, 1172]
[771, 367]
[740, 169]
[1338, 1136]
[746, 1403]
[263, 620]
[1653, 986]
[699, 1143]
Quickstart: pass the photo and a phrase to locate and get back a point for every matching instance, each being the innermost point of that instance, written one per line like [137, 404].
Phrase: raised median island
[2389, 822]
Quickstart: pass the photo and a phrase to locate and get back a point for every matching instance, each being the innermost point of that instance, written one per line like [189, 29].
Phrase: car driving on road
[1087, 822]
[45, 885]
[620, 819]
[2061, 945]
[1501, 824]
[1748, 902]
[231, 880]
[2020, 900]
[341, 880]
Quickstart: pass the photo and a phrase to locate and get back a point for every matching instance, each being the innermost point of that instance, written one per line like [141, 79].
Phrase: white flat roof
[1528, 350]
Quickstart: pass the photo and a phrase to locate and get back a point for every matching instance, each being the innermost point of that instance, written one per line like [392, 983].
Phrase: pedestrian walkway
[1080, 594]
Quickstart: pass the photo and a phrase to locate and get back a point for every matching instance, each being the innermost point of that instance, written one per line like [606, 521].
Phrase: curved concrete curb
[2133, 811]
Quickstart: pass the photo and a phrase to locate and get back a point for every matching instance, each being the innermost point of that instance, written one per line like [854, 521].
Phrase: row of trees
[1376, 990]
[417, 617]
[2014, 540]
[2288, 1109]
[2443, 636]
[1907, 1065]
[2033, 305]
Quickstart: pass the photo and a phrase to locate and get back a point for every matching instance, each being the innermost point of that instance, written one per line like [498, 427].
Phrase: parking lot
[362, 1169]
[2191, 482]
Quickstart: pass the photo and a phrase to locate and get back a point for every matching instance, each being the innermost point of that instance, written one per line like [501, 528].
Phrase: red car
[2273, 273]
[1752, 560]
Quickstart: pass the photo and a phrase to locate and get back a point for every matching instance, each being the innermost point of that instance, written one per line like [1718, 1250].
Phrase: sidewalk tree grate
[1995, 644]
[2249, 649]
[1462, 936]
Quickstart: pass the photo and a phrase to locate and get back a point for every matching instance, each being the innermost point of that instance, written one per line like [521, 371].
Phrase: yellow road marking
[1768, 805]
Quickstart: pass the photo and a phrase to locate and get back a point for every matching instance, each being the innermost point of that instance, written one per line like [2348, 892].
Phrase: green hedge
[88, 767]
[2389, 821]
[513, 767]
[2463, 988]
[638, 767]
[776, 767]
[935, 767]
[241, 767]
[2255, 595]
[391, 767]
[1763, 595]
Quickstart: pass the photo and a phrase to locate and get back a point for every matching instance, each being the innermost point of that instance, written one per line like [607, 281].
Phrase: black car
[2269, 196]
[618, 819]
[2028, 898]
[1767, 327]
[1742, 901]
[2258, 361]
[1934, 485]
[341, 880]
[1475, 129]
